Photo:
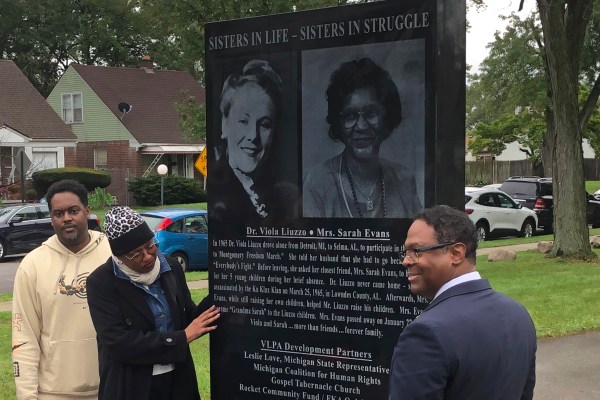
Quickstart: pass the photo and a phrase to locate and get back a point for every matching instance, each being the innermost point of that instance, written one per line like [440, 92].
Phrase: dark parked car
[181, 233]
[536, 193]
[26, 226]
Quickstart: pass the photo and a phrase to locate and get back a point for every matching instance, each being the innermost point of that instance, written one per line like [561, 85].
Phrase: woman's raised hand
[202, 324]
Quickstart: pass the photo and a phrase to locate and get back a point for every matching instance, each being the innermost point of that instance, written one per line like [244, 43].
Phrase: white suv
[495, 213]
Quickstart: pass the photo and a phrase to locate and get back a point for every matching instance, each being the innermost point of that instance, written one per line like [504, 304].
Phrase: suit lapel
[135, 297]
[459, 290]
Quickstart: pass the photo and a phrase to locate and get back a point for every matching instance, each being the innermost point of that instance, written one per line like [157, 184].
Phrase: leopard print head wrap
[126, 230]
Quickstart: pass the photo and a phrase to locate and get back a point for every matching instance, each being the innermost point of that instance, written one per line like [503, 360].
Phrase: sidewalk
[203, 284]
[567, 368]
[513, 247]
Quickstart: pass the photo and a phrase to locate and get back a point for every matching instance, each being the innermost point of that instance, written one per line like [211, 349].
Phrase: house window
[72, 107]
[100, 159]
[42, 160]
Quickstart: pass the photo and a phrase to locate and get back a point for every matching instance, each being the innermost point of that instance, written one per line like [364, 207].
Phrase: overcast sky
[484, 24]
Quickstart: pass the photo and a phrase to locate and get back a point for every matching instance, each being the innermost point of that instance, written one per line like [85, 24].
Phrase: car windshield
[5, 213]
[46, 211]
[519, 188]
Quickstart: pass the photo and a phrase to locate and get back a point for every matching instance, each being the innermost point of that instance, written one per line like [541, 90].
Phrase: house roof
[25, 110]
[152, 95]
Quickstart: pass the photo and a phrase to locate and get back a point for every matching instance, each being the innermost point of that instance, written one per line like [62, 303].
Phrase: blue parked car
[182, 233]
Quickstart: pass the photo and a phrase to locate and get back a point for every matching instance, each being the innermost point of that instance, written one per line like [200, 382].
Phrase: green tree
[524, 127]
[511, 87]
[25, 40]
[513, 79]
[43, 38]
[565, 24]
[192, 119]
[548, 68]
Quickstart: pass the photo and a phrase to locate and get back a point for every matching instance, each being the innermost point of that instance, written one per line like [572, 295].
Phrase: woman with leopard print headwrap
[144, 316]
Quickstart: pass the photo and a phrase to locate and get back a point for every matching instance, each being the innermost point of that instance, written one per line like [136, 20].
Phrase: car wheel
[527, 229]
[3, 250]
[182, 259]
[482, 231]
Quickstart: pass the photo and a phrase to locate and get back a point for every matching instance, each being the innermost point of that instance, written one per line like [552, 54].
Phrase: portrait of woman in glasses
[363, 110]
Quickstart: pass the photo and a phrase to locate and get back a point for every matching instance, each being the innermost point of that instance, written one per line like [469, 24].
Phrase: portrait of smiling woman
[250, 107]
[363, 110]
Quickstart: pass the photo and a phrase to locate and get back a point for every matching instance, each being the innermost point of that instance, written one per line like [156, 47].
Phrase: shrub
[90, 178]
[177, 190]
[14, 188]
[31, 195]
[14, 191]
[99, 199]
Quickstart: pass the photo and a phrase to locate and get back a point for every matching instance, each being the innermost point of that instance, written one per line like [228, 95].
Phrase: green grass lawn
[196, 275]
[200, 354]
[517, 240]
[562, 297]
[7, 383]
[592, 186]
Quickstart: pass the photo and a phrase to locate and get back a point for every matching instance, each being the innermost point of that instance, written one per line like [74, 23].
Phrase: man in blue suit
[470, 343]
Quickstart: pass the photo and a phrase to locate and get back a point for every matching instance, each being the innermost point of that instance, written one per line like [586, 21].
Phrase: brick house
[32, 136]
[126, 122]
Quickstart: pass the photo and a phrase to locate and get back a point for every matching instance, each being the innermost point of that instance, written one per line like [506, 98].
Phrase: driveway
[8, 269]
[567, 368]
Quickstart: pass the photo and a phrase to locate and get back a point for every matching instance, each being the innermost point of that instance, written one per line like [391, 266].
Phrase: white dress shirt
[471, 276]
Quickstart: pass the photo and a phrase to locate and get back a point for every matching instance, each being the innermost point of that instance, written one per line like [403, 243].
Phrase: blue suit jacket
[470, 343]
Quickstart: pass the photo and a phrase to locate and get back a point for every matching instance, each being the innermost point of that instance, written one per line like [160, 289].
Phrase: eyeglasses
[370, 114]
[413, 254]
[139, 256]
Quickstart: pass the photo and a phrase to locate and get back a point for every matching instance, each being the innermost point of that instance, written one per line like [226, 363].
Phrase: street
[8, 269]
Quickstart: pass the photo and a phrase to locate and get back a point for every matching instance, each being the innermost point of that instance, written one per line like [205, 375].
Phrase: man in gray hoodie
[54, 342]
